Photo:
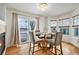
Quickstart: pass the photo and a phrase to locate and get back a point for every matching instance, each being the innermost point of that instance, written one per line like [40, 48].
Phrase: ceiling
[54, 9]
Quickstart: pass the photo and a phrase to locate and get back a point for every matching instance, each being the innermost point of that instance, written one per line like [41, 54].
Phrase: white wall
[41, 24]
[8, 28]
[2, 12]
[75, 12]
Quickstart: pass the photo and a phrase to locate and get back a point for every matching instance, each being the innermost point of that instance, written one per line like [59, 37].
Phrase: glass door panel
[23, 29]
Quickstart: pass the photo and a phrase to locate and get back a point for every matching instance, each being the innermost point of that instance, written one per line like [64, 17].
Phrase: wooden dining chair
[34, 42]
[57, 41]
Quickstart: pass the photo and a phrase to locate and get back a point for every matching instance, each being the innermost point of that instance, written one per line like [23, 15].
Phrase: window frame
[64, 27]
[75, 25]
[20, 36]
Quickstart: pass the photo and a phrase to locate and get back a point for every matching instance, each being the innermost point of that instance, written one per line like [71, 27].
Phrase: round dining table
[44, 44]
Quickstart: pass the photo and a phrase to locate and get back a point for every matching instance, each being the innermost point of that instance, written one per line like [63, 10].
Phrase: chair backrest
[32, 39]
[58, 39]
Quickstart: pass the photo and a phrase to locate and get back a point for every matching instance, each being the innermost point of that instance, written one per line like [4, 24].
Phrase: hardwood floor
[68, 49]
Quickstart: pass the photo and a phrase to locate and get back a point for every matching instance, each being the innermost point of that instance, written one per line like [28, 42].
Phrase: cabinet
[2, 42]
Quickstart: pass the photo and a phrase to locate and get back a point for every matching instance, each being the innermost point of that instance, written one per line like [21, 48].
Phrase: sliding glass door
[25, 25]
[23, 29]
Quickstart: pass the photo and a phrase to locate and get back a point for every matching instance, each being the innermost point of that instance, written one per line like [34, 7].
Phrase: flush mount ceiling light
[43, 6]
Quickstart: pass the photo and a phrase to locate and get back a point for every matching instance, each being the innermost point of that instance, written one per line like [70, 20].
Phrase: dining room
[42, 29]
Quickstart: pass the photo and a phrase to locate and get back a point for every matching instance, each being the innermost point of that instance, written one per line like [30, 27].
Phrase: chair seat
[49, 36]
[37, 34]
[38, 41]
[52, 42]
[41, 36]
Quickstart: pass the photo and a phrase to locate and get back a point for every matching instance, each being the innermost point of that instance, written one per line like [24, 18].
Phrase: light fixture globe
[43, 6]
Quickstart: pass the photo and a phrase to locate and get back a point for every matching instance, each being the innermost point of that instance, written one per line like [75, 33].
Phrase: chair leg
[33, 49]
[55, 50]
[39, 46]
[52, 48]
[61, 48]
[30, 48]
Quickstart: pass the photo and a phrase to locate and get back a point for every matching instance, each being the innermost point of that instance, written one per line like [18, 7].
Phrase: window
[66, 22]
[32, 25]
[25, 25]
[64, 26]
[60, 25]
[76, 25]
[65, 30]
[76, 31]
[76, 20]
[23, 29]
